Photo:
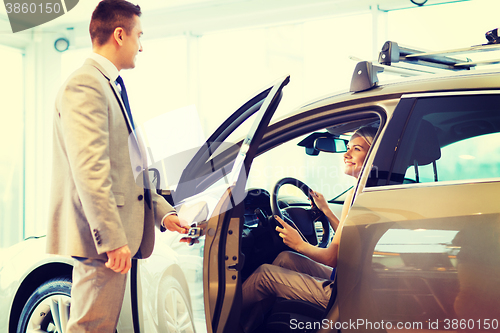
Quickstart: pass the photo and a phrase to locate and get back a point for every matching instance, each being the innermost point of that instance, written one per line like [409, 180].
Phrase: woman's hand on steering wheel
[290, 235]
[319, 200]
[297, 215]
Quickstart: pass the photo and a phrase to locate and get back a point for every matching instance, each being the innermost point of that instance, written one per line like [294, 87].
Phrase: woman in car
[308, 273]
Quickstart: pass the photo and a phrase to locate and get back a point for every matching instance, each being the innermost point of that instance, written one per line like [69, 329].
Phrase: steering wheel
[304, 217]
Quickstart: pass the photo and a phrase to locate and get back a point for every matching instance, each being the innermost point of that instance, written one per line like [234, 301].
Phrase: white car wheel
[174, 309]
[47, 309]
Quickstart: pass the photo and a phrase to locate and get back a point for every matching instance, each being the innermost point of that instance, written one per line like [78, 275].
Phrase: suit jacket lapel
[117, 94]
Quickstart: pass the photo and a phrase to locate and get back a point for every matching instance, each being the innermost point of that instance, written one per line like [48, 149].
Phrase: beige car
[420, 249]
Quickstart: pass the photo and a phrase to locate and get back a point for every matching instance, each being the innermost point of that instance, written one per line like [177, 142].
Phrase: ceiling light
[467, 157]
[61, 44]
[419, 2]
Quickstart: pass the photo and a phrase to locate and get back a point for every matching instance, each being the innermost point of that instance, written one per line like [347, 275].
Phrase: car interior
[261, 243]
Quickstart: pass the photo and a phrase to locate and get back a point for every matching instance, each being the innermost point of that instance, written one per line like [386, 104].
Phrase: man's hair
[109, 15]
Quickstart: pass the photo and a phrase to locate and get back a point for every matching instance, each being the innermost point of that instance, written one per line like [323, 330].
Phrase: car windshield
[323, 173]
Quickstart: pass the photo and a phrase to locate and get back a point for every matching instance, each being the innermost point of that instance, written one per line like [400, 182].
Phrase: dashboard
[257, 207]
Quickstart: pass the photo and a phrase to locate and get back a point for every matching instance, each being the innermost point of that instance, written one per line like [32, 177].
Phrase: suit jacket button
[98, 242]
[138, 169]
[140, 197]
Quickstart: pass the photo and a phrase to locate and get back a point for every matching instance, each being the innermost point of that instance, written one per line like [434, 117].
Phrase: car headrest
[426, 149]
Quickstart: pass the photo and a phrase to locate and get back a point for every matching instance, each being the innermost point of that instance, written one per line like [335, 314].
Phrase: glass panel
[451, 138]
[402, 23]
[235, 63]
[12, 153]
[474, 158]
[323, 173]
[161, 80]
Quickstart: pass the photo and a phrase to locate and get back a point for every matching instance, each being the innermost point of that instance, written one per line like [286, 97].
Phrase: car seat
[426, 149]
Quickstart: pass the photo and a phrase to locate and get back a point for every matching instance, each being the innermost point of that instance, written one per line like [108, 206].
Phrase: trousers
[96, 297]
[291, 276]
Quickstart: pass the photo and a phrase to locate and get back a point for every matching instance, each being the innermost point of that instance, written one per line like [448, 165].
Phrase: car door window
[323, 172]
[450, 138]
[472, 158]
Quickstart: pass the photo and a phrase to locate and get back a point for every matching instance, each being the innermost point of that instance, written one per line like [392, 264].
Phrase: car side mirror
[330, 145]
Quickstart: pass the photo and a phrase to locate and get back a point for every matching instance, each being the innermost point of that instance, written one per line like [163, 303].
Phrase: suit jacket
[96, 203]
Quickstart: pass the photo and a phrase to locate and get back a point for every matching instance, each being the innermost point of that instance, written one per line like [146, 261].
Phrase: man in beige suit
[102, 212]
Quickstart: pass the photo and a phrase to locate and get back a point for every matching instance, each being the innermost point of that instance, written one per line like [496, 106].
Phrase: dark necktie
[123, 92]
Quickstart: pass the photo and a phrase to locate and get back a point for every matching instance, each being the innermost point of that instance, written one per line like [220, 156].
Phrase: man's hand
[173, 223]
[290, 236]
[119, 260]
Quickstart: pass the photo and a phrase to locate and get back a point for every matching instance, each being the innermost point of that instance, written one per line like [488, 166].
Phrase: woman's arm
[292, 239]
[327, 256]
[322, 204]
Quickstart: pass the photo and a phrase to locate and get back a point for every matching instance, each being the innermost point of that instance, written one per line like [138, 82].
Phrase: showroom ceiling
[164, 18]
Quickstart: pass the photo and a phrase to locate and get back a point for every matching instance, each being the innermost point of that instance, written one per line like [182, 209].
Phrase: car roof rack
[417, 62]
[365, 76]
[393, 53]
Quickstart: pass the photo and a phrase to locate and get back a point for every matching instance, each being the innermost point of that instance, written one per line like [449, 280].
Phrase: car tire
[174, 308]
[47, 309]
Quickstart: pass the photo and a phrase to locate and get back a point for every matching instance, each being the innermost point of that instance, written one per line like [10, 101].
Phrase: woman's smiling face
[355, 156]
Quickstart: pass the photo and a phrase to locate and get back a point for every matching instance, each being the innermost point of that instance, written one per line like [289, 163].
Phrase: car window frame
[393, 135]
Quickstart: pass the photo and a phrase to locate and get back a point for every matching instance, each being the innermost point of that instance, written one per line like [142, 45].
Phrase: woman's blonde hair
[367, 133]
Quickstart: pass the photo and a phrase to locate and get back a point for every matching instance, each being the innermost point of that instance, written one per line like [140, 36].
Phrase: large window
[315, 53]
[456, 24]
[12, 152]
[188, 84]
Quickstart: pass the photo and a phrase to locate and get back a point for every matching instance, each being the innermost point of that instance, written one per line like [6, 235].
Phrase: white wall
[12, 147]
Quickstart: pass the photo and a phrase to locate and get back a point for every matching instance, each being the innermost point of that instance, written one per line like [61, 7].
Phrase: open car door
[225, 166]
